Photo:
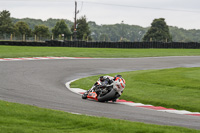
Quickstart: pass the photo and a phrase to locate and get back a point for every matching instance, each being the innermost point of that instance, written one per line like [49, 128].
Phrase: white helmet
[119, 85]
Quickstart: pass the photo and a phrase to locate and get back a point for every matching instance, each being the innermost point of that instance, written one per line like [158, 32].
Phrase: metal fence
[87, 44]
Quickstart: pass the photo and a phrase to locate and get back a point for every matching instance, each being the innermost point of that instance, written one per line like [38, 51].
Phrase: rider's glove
[103, 86]
[110, 81]
[96, 83]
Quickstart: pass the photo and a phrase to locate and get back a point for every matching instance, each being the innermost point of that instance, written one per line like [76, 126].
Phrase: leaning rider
[105, 81]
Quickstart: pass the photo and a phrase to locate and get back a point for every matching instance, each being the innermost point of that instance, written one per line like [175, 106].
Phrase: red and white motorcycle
[103, 93]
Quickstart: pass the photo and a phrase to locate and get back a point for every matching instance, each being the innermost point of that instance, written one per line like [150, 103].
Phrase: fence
[85, 44]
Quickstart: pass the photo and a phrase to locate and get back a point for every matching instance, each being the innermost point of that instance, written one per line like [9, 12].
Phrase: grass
[23, 51]
[18, 118]
[177, 88]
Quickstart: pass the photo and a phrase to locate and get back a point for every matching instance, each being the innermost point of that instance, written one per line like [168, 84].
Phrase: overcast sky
[181, 13]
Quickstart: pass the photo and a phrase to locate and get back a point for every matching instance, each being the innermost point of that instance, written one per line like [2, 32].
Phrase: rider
[105, 81]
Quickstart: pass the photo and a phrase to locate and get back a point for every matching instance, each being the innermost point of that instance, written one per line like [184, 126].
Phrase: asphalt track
[42, 83]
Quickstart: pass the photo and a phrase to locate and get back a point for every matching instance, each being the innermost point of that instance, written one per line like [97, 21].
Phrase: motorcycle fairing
[92, 95]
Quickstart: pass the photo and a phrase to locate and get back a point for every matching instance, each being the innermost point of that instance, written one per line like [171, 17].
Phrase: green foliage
[83, 30]
[6, 24]
[49, 22]
[132, 32]
[177, 88]
[124, 40]
[22, 28]
[115, 32]
[159, 32]
[182, 35]
[61, 28]
[104, 37]
[41, 31]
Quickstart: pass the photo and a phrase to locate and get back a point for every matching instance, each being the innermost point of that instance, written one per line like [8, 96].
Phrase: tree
[159, 31]
[6, 24]
[104, 37]
[83, 30]
[22, 29]
[41, 31]
[61, 28]
[124, 40]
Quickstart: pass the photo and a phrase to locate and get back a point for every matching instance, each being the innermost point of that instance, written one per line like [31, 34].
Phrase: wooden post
[35, 38]
[23, 37]
[11, 37]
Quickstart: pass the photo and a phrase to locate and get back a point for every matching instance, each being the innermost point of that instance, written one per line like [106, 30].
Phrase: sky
[180, 13]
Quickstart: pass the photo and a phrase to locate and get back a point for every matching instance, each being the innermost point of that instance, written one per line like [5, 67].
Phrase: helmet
[120, 76]
[101, 78]
[119, 85]
[117, 77]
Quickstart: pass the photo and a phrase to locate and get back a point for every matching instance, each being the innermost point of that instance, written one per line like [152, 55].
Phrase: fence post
[23, 37]
[35, 38]
[11, 37]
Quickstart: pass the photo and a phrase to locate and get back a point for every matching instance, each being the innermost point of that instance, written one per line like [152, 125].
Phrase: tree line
[134, 33]
[20, 30]
[60, 29]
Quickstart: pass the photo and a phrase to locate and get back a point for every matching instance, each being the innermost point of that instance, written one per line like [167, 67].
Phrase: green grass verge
[18, 118]
[23, 51]
[177, 88]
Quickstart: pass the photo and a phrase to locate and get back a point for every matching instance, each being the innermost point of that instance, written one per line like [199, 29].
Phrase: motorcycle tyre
[109, 96]
[84, 96]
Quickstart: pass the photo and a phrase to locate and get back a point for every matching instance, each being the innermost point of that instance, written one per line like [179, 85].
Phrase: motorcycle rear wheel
[109, 96]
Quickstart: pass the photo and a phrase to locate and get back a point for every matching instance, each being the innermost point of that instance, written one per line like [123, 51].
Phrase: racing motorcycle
[104, 93]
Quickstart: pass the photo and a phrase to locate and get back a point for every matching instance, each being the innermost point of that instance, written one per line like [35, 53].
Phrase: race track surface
[42, 83]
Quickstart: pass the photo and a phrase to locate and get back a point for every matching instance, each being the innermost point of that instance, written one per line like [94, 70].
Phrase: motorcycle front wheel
[84, 96]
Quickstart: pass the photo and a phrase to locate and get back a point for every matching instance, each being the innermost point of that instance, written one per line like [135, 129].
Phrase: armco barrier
[54, 43]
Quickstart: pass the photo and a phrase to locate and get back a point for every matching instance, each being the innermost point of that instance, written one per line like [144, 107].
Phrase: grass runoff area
[28, 51]
[18, 118]
[175, 88]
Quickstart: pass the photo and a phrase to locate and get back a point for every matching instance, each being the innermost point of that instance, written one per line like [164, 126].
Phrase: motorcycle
[104, 93]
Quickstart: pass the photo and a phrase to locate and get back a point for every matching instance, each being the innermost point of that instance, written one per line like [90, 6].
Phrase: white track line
[41, 58]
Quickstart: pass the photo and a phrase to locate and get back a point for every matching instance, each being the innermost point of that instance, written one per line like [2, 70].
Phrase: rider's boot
[114, 100]
[116, 97]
